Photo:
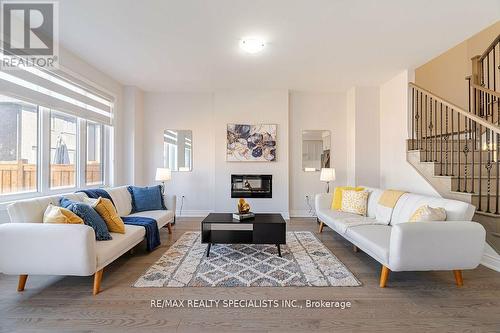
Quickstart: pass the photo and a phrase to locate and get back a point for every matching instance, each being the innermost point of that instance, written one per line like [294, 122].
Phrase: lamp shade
[327, 175]
[163, 174]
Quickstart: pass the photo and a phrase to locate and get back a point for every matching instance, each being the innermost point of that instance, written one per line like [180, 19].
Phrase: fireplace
[251, 186]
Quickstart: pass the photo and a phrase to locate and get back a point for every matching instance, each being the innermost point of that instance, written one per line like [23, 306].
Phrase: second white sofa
[30, 247]
[455, 244]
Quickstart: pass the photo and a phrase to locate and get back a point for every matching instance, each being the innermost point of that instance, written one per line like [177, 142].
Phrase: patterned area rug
[305, 262]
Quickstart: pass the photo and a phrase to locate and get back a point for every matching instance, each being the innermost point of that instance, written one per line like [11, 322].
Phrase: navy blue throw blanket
[95, 193]
[152, 232]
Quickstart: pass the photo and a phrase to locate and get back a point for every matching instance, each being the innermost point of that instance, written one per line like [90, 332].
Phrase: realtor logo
[29, 34]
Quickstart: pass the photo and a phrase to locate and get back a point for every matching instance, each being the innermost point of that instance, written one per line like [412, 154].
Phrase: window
[55, 135]
[63, 150]
[94, 169]
[18, 146]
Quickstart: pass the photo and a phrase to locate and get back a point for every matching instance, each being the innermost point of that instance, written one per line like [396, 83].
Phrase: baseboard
[491, 259]
[302, 213]
[192, 213]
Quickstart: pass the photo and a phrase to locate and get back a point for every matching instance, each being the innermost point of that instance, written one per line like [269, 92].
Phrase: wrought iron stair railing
[463, 144]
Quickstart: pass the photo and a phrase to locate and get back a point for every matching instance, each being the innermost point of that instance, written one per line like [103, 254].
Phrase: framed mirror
[178, 150]
[315, 149]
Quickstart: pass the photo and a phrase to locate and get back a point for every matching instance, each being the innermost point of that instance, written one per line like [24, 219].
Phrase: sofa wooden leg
[384, 275]
[97, 281]
[169, 227]
[355, 248]
[321, 225]
[22, 282]
[458, 278]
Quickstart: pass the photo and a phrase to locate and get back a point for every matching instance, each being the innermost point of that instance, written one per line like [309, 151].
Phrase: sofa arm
[47, 249]
[170, 201]
[323, 201]
[424, 246]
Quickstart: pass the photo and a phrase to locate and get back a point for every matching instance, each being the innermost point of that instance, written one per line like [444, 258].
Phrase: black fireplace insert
[251, 186]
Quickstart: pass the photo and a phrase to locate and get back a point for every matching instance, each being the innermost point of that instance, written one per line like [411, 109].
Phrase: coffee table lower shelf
[233, 237]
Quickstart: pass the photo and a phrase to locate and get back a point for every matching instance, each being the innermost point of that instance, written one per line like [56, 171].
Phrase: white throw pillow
[355, 202]
[426, 213]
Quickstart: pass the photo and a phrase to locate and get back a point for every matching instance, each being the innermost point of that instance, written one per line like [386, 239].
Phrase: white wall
[207, 187]
[186, 111]
[132, 143]
[351, 136]
[315, 111]
[362, 123]
[367, 136]
[395, 171]
[251, 107]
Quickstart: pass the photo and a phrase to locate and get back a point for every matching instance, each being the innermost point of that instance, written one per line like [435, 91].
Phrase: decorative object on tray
[250, 143]
[243, 206]
[243, 211]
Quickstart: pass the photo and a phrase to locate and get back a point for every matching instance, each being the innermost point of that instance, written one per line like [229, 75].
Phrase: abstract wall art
[251, 143]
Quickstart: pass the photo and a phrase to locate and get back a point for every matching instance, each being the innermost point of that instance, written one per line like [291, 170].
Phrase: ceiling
[313, 45]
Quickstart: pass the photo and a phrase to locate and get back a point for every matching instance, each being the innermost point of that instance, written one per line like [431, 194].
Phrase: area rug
[305, 262]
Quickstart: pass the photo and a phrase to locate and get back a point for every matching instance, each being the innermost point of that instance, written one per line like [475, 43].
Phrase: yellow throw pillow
[355, 202]
[107, 210]
[426, 213]
[56, 214]
[337, 195]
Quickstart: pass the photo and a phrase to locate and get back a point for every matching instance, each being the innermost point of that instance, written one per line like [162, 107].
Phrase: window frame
[77, 151]
[84, 137]
[43, 155]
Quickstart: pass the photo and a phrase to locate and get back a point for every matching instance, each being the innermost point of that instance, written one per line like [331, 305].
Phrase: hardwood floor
[411, 302]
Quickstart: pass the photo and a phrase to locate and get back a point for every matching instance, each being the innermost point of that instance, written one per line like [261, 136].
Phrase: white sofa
[455, 244]
[30, 247]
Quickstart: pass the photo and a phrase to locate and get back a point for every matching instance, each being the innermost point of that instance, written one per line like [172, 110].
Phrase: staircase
[458, 151]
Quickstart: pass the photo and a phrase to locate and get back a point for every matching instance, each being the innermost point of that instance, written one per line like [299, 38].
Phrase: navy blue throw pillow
[89, 216]
[146, 198]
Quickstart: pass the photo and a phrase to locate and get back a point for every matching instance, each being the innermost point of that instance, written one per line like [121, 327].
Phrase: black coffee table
[221, 228]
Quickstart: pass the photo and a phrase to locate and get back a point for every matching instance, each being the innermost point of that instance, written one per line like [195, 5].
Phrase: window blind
[58, 90]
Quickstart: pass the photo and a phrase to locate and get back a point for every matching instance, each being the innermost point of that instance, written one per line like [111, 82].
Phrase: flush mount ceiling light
[252, 45]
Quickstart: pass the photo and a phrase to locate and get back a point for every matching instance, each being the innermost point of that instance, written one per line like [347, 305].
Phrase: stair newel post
[488, 167]
[466, 151]
[431, 126]
[480, 164]
[412, 118]
[425, 135]
[468, 138]
[497, 149]
[421, 122]
[446, 138]
[494, 69]
[416, 117]
[458, 151]
[452, 144]
[476, 79]
[473, 145]
[435, 132]
[441, 138]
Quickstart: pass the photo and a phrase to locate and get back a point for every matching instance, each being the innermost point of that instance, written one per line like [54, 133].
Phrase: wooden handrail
[458, 109]
[490, 47]
[485, 90]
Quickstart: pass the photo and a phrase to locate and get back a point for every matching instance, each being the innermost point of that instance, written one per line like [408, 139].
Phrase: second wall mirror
[315, 149]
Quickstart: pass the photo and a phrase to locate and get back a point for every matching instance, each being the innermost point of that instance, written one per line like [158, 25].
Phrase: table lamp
[162, 175]
[327, 175]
